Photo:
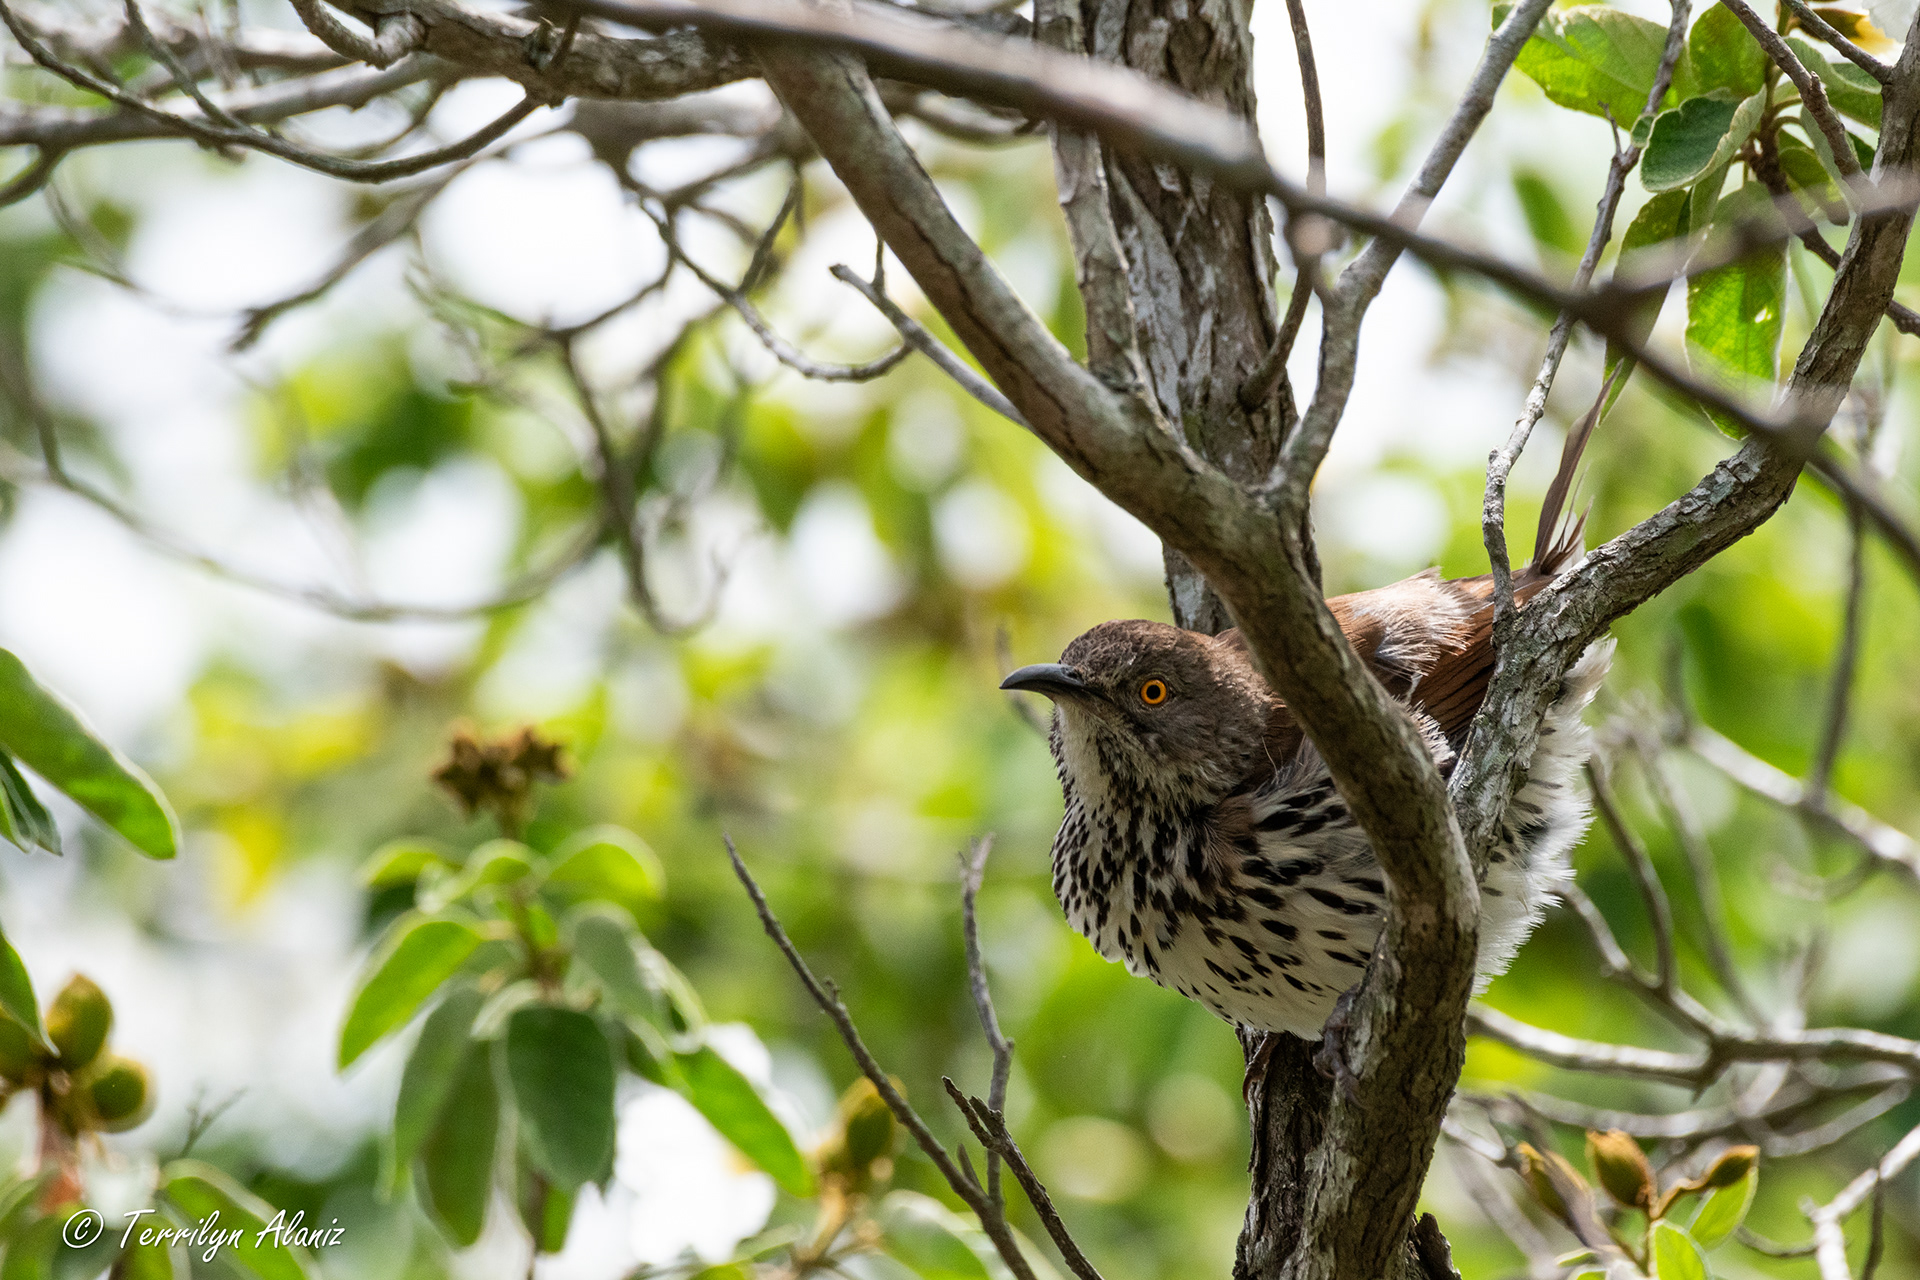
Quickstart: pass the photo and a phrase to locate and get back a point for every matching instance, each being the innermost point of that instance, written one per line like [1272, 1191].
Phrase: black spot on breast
[1296, 983]
[1330, 898]
[1332, 935]
[1289, 872]
[1280, 929]
[1369, 884]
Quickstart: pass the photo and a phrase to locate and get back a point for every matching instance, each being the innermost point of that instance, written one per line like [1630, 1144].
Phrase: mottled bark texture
[1176, 270]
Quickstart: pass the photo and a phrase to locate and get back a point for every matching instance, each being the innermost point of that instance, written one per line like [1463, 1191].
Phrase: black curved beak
[1049, 678]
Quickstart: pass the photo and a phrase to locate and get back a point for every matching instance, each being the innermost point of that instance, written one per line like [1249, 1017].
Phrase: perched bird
[1205, 844]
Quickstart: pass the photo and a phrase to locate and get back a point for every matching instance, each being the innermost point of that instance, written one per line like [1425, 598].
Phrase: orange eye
[1153, 692]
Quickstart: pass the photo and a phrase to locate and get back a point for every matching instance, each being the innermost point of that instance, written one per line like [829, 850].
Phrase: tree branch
[961, 1179]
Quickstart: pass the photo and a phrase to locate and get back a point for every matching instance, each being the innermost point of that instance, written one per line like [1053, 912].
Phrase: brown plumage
[1204, 842]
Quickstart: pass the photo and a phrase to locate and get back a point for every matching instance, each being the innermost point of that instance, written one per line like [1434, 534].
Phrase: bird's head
[1149, 710]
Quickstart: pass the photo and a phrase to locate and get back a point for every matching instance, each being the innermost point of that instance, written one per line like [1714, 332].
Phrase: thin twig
[1829, 1239]
[1887, 844]
[932, 348]
[1266, 375]
[973, 870]
[782, 350]
[214, 135]
[1812, 93]
[1772, 1248]
[1706, 872]
[1818, 26]
[964, 1184]
[990, 1127]
[1645, 876]
[1501, 462]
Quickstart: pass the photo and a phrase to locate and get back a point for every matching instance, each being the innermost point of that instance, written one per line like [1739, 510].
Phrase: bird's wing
[1402, 630]
[1454, 685]
[1426, 638]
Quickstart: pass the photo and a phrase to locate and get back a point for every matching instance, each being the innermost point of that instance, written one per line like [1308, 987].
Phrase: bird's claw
[1331, 1060]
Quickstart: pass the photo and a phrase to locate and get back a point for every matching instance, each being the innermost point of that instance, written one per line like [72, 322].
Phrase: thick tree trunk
[1177, 273]
[1178, 280]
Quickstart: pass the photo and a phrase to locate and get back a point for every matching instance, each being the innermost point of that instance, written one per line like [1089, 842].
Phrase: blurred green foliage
[851, 762]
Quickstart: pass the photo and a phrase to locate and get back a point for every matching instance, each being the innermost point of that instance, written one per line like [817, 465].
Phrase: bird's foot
[1331, 1060]
[1253, 1085]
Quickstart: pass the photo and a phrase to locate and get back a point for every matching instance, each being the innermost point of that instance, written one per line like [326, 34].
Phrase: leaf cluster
[1728, 110]
[1666, 1247]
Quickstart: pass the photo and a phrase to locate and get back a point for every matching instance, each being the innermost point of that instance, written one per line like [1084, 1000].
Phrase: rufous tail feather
[1558, 541]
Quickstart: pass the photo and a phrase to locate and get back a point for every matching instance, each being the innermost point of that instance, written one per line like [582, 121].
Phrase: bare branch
[1588, 1055]
[213, 134]
[506, 44]
[1830, 1241]
[1493, 511]
[395, 35]
[389, 225]
[1838, 816]
[1261, 384]
[1645, 877]
[1812, 93]
[990, 1127]
[973, 870]
[1818, 26]
[931, 347]
[964, 1184]
[1357, 286]
[782, 350]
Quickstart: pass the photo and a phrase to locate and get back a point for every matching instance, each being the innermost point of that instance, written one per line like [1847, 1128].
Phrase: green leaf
[1724, 1209]
[419, 956]
[1661, 220]
[201, 1191]
[561, 1068]
[457, 1160]
[16, 992]
[1547, 217]
[1735, 313]
[429, 1077]
[1805, 173]
[1696, 137]
[1851, 91]
[607, 863]
[684, 1012]
[603, 945]
[649, 1057]
[929, 1238]
[1597, 59]
[495, 862]
[24, 821]
[733, 1106]
[545, 1210]
[41, 731]
[401, 862]
[1675, 1255]
[1725, 55]
[30, 1254]
[146, 1262]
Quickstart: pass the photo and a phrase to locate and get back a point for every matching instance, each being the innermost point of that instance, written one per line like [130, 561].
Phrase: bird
[1204, 843]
